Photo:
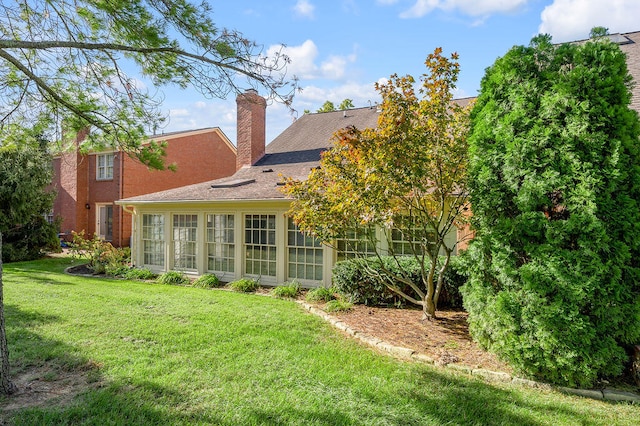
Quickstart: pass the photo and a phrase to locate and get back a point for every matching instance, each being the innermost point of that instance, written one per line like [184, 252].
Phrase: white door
[104, 221]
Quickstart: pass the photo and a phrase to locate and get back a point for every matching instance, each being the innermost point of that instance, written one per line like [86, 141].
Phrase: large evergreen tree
[555, 191]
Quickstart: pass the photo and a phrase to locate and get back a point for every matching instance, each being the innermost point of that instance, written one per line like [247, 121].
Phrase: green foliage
[25, 173]
[287, 290]
[102, 256]
[244, 285]
[139, 274]
[554, 283]
[169, 42]
[29, 241]
[328, 106]
[345, 104]
[207, 281]
[321, 294]
[337, 305]
[173, 278]
[407, 175]
[367, 280]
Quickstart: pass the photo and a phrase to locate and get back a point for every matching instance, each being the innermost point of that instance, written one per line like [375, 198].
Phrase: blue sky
[340, 48]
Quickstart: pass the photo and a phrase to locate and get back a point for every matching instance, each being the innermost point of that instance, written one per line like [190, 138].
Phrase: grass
[163, 354]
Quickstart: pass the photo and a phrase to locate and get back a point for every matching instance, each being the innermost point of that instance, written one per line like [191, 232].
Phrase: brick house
[237, 226]
[88, 185]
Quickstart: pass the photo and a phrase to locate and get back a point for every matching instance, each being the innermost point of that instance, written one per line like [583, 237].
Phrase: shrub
[321, 294]
[29, 241]
[244, 285]
[139, 274]
[207, 281]
[103, 257]
[362, 280]
[174, 278]
[288, 290]
[337, 305]
[554, 184]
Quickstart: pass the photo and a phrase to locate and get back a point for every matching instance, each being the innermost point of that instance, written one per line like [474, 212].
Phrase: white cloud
[200, 114]
[304, 9]
[312, 97]
[472, 8]
[304, 66]
[568, 20]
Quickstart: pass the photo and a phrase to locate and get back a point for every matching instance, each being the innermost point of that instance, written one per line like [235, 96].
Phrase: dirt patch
[446, 339]
[47, 386]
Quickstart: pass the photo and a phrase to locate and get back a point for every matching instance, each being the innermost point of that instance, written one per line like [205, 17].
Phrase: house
[236, 226]
[88, 185]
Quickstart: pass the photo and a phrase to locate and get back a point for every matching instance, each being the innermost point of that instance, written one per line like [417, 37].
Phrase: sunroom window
[153, 239]
[260, 244]
[305, 255]
[220, 243]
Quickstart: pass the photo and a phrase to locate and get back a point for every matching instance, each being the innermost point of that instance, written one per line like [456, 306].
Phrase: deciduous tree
[555, 190]
[407, 176]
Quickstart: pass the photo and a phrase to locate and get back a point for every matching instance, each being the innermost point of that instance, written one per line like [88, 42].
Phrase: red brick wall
[199, 156]
[70, 182]
[251, 128]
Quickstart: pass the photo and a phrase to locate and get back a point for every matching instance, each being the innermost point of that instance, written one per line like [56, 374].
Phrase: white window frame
[184, 239]
[220, 243]
[305, 255]
[104, 166]
[263, 241]
[153, 247]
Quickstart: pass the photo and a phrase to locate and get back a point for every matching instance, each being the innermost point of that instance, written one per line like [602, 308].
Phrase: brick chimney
[251, 128]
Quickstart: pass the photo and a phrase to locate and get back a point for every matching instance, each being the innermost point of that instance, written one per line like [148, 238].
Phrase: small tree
[407, 176]
[327, 106]
[555, 189]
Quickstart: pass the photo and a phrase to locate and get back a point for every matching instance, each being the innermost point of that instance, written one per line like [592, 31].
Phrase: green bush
[321, 294]
[288, 290]
[207, 281]
[139, 274]
[29, 241]
[554, 284]
[102, 256]
[174, 278]
[338, 305]
[362, 280]
[244, 285]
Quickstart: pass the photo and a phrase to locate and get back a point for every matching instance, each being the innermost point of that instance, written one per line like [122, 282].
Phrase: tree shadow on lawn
[59, 386]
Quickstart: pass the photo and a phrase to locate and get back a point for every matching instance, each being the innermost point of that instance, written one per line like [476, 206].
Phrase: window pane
[260, 246]
[305, 258]
[221, 247]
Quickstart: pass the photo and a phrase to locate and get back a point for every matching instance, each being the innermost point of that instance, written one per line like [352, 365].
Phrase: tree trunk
[428, 309]
[6, 386]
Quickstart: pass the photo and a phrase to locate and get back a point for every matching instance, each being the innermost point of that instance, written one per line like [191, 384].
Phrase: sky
[340, 48]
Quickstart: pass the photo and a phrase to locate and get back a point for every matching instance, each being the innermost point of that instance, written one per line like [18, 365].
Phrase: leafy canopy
[406, 175]
[67, 61]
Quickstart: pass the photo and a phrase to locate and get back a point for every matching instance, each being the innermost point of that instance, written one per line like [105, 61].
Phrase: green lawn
[159, 354]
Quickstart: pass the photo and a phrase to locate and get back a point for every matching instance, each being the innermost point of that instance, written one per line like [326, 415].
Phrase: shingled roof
[294, 153]
[630, 45]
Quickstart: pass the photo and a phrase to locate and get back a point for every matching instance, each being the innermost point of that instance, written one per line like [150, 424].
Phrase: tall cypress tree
[555, 190]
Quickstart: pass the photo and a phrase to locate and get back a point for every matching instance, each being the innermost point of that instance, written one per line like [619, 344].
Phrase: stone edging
[492, 376]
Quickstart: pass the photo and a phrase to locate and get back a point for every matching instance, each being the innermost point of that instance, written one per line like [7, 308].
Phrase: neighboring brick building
[88, 185]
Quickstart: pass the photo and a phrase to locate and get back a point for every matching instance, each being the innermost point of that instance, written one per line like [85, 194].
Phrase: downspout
[120, 196]
[133, 214]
